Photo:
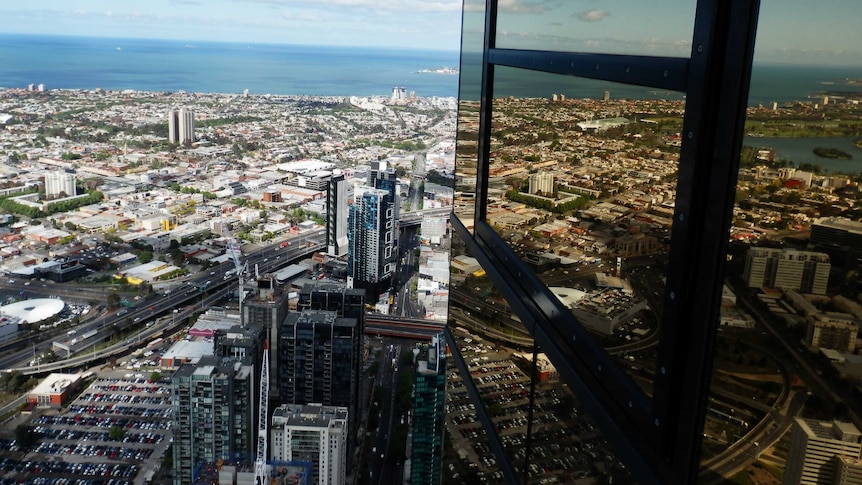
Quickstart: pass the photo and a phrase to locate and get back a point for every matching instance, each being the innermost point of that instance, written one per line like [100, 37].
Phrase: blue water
[171, 65]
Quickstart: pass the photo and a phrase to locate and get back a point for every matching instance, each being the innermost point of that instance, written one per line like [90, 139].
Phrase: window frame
[659, 439]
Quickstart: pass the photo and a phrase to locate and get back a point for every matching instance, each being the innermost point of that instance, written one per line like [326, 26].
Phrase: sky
[423, 24]
[790, 31]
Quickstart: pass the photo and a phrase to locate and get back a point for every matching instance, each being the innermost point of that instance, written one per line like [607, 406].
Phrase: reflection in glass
[658, 28]
[790, 286]
[469, 90]
[544, 431]
[583, 191]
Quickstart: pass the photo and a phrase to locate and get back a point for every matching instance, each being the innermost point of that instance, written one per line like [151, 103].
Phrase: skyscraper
[336, 215]
[371, 238]
[426, 448]
[815, 447]
[266, 307]
[213, 413]
[181, 126]
[313, 433]
[317, 358]
[58, 183]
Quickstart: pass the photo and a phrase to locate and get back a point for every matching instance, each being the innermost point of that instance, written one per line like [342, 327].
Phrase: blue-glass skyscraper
[371, 254]
[426, 448]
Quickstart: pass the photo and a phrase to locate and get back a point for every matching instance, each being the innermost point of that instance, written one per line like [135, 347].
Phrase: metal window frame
[658, 438]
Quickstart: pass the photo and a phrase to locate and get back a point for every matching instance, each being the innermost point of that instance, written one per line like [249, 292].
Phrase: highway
[196, 289]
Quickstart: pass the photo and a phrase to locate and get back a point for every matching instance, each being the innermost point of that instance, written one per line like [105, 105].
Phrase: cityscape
[246, 288]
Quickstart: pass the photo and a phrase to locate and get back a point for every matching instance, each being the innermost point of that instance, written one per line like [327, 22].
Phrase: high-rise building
[317, 358]
[312, 433]
[804, 271]
[815, 448]
[542, 183]
[382, 176]
[267, 307]
[371, 254]
[346, 303]
[59, 184]
[181, 126]
[336, 215]
[320, 353]
[429, 402]
[213, 406]
[243, 344]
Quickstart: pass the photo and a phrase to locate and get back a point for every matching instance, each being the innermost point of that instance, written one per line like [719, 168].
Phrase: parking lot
[565, 445]
[118, 426]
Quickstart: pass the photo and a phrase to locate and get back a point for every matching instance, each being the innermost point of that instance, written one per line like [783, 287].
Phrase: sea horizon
[229, 67]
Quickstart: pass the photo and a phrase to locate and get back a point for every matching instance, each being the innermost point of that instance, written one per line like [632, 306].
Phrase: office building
[815, 449]
[371, 240]
[336, 215]
[788, 269]
[429, 403]
[312, 433]
[320, 358]
[214, 413]
[181, 126]
[59, 184]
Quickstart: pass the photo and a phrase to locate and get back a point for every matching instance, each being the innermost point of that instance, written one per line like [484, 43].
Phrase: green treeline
[547, 204]
[7, 204]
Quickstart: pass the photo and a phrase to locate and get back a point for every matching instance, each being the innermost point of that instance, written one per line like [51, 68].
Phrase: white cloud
[593, 15]
[369, 5]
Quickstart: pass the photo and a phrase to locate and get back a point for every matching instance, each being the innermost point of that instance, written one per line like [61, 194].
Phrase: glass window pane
[581, 183]
[547, 436]
[470, 88]
[785, 335]
[661, 27]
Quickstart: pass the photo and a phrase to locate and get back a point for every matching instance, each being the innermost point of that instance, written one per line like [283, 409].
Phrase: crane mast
[261, 471]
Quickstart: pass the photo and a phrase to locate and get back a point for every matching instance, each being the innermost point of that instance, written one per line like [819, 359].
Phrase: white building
[816, 448]
[542, 182]
[58, 183]
[313, 433]
[787, 269]
[181, 126]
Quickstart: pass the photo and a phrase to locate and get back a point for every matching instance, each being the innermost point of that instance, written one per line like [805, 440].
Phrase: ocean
[219, 67]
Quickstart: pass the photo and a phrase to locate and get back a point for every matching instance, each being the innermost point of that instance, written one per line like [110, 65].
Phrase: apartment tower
[429, 403]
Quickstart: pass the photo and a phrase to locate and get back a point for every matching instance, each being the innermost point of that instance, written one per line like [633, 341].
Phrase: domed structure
[32, 311]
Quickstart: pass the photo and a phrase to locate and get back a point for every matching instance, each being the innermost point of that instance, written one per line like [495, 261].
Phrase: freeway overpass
[268, 258]
[414, 218]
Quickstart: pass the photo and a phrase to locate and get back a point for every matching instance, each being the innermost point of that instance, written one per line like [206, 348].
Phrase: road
[266, 257]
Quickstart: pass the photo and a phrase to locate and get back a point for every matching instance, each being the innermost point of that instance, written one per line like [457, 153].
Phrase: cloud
[185, 2]
[592, 15]
[369, 5]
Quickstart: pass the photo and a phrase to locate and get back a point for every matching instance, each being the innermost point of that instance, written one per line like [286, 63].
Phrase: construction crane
[261, 471]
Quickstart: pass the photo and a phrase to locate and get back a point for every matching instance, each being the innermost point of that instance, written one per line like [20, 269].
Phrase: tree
[26, 436]
[113, 300]
[115, 433]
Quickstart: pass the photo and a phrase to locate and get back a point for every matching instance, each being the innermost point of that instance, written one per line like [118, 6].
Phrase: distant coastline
[219, 67]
